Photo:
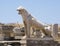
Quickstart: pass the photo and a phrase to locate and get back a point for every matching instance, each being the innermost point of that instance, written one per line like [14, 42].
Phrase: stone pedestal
[41, 42]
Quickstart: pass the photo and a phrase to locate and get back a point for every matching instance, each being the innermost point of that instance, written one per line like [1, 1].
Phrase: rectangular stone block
[41, 43]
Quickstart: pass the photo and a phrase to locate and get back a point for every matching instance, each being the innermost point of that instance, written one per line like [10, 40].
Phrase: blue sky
[47, 11]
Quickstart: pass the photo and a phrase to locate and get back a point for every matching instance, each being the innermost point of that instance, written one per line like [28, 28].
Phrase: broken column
[55, 31]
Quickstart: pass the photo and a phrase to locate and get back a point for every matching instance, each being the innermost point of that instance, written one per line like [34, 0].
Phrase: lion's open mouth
[19, 11]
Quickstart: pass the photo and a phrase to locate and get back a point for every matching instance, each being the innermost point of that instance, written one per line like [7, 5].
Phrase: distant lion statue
[30, 21]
